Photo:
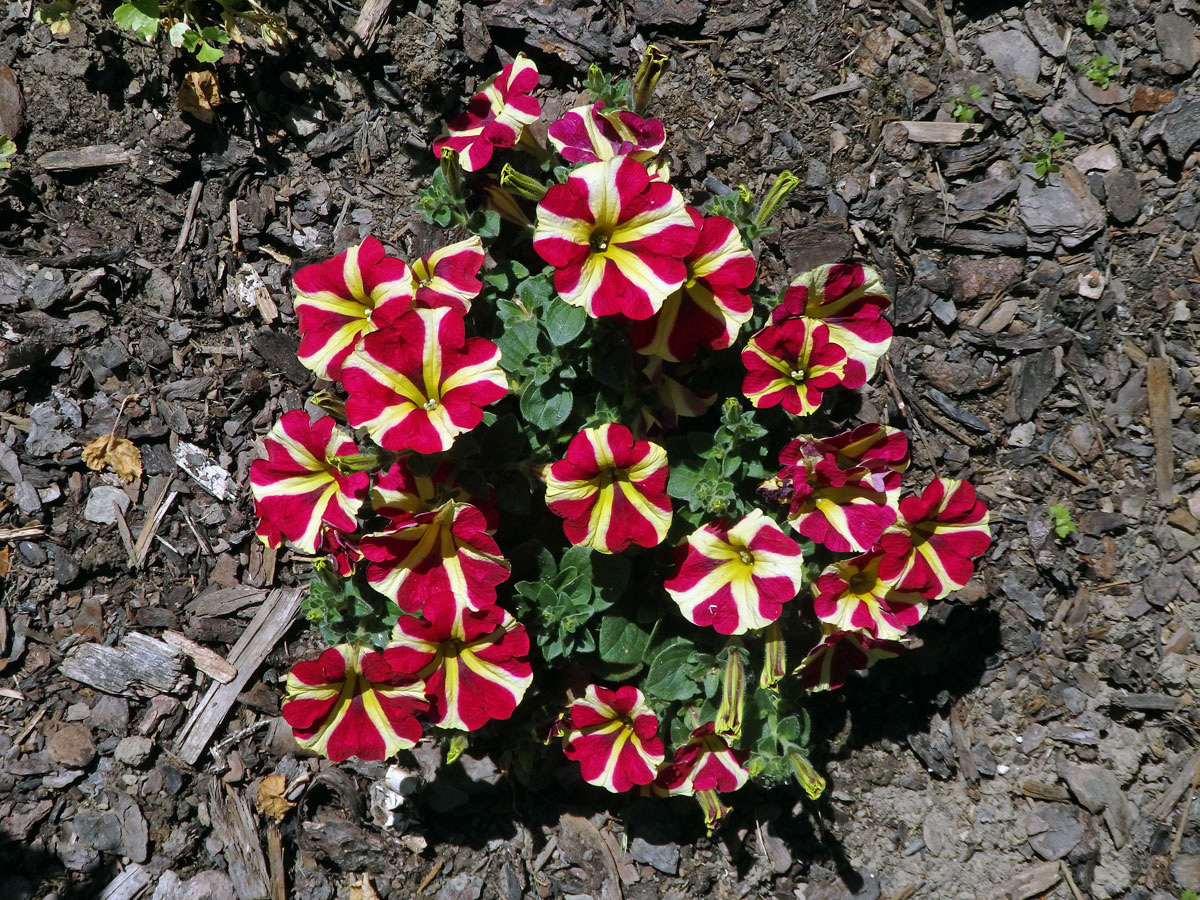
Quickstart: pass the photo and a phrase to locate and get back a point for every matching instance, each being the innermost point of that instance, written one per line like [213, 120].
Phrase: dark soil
[1043, 739]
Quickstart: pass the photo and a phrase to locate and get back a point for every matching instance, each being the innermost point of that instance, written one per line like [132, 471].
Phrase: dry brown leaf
[199, 95]
[115, 452]
[5, 565]
[270, 800]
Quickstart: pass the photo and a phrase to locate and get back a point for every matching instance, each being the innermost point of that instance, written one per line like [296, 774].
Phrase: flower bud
[714, 810]
[774, 658]
[809, 778]
[785, 183]
[653, 64]
[522, 185]
[733, 696]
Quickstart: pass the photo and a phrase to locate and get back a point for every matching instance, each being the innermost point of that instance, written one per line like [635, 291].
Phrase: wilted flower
[613, 736]
[297, 491]
[616, 239]
[711, 305]
[475, 662]
[705, 763]
[420, 382]
[442, 558]
[938, 535]
[592, 133]
[354, 702]
[849, 300]
[611, 490]
[495, 116]
[449, 276]
[340, 300]
[736, 578]
[829, 664]
[851, 595]
[793, 364]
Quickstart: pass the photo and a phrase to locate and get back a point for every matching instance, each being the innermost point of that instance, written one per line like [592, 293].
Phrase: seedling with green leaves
[1096, 16]
[1046, 153]
[964, 110]
[1101, 70]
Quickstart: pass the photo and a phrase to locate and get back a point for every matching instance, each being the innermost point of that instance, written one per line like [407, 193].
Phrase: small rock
[133, 750]
[46, 436]
[1062, 206]
[98, 830]
[100, 502]
[1178, 42]
[1012, 53]
[46, 288]
[664, 857]
[209, 885]
[1178, 124]
[983, 277]
[1044, 33]
[1097, 158]
[1122, 195]
[111, 714]
[1148, 99]
[26, 497]
[983, 194]
[71, 746]
[1109, 96]
[461, 887]
[1053, 829]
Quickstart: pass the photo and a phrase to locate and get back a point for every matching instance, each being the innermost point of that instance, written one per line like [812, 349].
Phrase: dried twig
[188, 217]
[1160, 393]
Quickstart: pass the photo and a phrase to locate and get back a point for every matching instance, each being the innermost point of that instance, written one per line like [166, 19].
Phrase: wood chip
[139, 665]
[1033, 881]
[86, 158]
[851, 84]
[158, 501]
[128, 885]
[370, 19]
[219, 601]
[235, 826]
[1166, 803]
[1160, 393]
[272, 621]
[940, 132]
[209, 662]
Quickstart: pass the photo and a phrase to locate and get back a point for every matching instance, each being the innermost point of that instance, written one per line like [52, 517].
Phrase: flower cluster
[530, 466]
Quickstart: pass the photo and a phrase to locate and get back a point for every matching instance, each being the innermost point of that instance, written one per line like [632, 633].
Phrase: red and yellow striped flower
[449, 276]
[614, 737]
[705, 763]
[444, 558]
[337, 299]
[419, 382]
[354, 702]
[399, 493]
[831, 498]
[736, 578]
[611, 490]
[829, 664]
[616, 239]
[592, 133]
[876, 454]
[712, 304]
[849, 300]
[851, 595]
[495, 117]
[297, 491]
[793, 364]
[936, 538]
[475, 663]
[670, 400]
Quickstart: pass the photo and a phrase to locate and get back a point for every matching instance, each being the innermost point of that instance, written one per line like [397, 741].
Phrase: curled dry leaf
[270, 798]
[117, 453]
[199, 95]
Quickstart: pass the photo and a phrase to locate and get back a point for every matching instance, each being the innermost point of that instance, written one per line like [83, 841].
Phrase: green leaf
[668, 678]
[177, 32]
[140, 16]
[207, 53]
[622, 642]
[544, 409]
[1061, 516]
[485, 223]
[564, 322]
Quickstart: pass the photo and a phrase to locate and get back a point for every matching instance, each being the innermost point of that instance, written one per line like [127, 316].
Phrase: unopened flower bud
[774, 658]
[714, 810]
[809, 778]
[653, 64]
[522, 185]
[728, 723]
[785, 183]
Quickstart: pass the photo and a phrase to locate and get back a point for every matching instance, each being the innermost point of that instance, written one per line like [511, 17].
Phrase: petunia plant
[582, 479]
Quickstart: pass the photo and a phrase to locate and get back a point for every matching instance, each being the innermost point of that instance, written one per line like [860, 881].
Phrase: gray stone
[26, 497]
[46, 288]
[98, 830]
[461, 887]
[134, 750]
[1178, 124]
[46, 436]
[1053, 829]
[1178, 42]
[208, 885]
[1045, 33]
[1122, 195]
[982, 194]
[664, 857]
[100, 502]
[1061, 206]
[1012, 53]
[111, 714]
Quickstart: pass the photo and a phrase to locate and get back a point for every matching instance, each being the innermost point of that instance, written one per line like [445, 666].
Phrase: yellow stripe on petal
[600, 519]
[352, 273]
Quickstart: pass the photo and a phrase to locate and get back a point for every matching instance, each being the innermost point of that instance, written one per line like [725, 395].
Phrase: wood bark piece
[157, 504]
[273, 619]
[940, 132]
[276, 860]
[370, 20]
[128, 885]
[94, 157]
[209, 662]
[140, 665]
[218, 601]
[234, 824]
[1160, 394]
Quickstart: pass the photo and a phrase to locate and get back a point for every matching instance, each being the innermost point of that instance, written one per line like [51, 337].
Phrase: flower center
[746, 557]
[797, 375]
[599, 240]
[861, 583]
[430, 405]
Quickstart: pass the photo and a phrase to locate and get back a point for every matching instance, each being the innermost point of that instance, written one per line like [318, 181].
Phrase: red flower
[852, 595]
[849, 300]
[939, 534]
[829, 664]
[495, 116]
[354, 702]
[420, 382]
[704, 763]
[337, 299]
[736, 578]
[592, 133]
[794, 364]
[712, 304]
[297, 491]
[449, 276]
[444, 558]
[616, 239]
[611, 490]
[399, 494]
[475, 663]
[613, 736]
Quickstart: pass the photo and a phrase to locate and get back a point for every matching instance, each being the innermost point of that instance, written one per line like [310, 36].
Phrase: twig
[948, 39]
[1070, 879]
[1184, 818]
[156, 511]
[126, 536]
[188, 216]
[430, 875]
[23, 531]
[1159, 392]
[234, 234]
[912, 420]
[1066, 470]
